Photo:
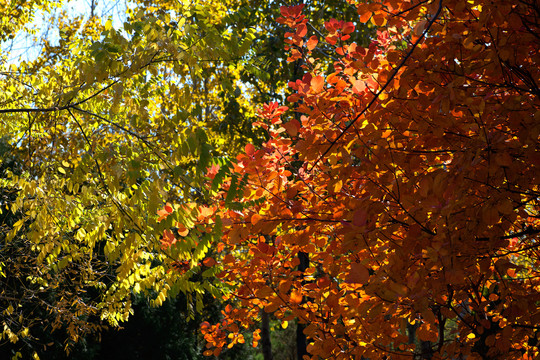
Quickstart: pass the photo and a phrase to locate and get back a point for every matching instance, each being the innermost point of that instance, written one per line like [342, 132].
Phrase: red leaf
[212, 171]
[358, 274]
[296, 10]
[331, 25]
[348, 28]
[250, 149]
[209, 262]
[359, 217]
[332, 39]
[301, 30]
[323, 282]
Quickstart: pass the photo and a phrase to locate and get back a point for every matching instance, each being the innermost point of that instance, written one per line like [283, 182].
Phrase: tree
[31, 299]
[107, 126]
[113, 123]
[411, 181]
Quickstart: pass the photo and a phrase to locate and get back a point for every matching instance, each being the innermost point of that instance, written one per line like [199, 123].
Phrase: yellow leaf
[337, 186]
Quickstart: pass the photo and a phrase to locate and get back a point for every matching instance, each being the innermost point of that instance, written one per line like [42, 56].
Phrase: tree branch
[376, 97]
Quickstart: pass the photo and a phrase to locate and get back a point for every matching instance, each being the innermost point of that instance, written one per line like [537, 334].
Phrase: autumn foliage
[407, 171]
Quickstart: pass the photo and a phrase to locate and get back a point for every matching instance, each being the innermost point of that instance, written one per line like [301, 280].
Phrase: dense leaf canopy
[407, 173]
[385, 197]
[99, 131]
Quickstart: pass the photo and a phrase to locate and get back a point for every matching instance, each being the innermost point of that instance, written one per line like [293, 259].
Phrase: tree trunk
[266, 343]
[301, 341]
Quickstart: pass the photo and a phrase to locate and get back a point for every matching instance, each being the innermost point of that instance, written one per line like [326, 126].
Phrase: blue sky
[26, 45]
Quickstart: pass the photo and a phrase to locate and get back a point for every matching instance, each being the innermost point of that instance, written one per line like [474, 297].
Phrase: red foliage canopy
[410, 176]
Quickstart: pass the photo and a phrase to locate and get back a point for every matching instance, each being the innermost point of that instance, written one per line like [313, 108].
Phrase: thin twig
[376, 97]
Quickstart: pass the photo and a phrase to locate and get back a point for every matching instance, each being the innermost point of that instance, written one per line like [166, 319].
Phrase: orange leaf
[317, 84]
[378, 20]
[292, 127]
[162, 214]
[205, 211]
[264, 292]
[359, 86]
[296, 297]
[255, 218]
[338, 185]
[312, 42]
[364, 17]
[168, 238]
[182, 230]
